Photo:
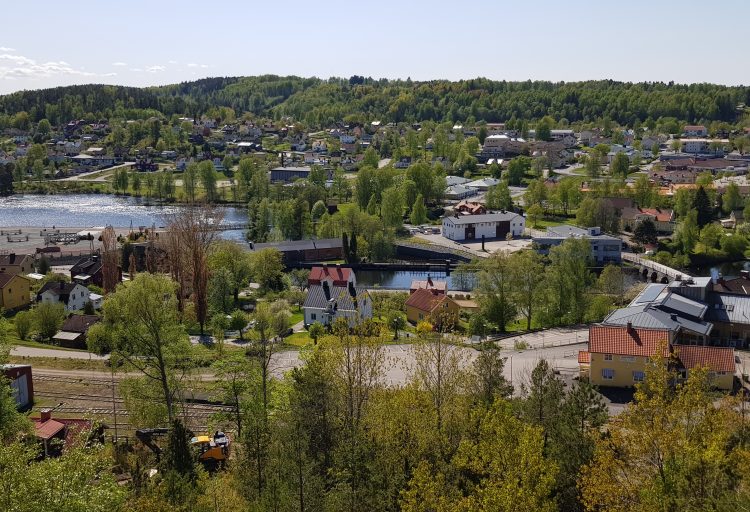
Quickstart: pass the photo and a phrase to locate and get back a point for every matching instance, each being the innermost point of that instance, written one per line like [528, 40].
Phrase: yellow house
[432, 306]
[617, 356]
[15, 291]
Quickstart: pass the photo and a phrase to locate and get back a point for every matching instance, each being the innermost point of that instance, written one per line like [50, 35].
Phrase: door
[470, 233]
[502, 229]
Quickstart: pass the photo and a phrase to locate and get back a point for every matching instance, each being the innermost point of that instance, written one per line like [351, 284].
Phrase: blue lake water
[89, 210]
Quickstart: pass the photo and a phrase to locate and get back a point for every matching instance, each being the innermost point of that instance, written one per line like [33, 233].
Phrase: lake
[89, 210]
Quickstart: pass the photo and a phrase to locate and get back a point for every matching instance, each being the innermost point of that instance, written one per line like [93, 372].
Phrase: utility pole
[114, 403]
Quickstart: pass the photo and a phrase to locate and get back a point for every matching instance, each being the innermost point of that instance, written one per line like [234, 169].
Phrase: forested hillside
[320, 102]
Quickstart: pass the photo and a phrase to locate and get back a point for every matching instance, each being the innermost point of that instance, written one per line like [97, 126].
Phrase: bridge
[655, 269]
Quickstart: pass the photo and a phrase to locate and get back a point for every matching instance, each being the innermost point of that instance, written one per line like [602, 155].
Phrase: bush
[23, 323]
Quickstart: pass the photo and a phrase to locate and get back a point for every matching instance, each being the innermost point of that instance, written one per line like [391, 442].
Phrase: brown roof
[621, 340]
[660, 214]
[737, 285]
[79, 323]
[12, 259]
[426, 300]
[5, 279]
[716, 359]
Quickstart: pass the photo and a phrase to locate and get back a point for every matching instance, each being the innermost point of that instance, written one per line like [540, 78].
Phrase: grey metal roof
[729, 308]
[455, 180]
[648, 316]
[487, 217]
[660, 296]
[317, 297]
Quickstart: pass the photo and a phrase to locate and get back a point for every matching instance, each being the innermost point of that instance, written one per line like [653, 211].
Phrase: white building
[73, 295]
[333, 294]
[488, 225]
[704, 146]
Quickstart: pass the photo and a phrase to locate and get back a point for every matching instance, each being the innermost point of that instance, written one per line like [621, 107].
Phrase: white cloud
[119, 64]
[155, 69]
[18, 66]
[173, 62]
[6, 49]
[109, 74]
[204, 65]
[192, 65]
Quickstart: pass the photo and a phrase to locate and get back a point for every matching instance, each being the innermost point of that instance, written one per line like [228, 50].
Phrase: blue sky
[45, 43]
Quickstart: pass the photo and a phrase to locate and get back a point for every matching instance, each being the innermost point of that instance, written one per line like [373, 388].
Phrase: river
[401, 279]
[89, 210]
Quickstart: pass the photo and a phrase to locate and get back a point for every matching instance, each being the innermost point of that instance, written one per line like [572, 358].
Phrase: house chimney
[45, 415]
[630, 327]
[11, 258]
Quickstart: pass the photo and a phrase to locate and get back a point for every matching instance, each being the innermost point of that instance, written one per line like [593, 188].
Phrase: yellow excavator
[212, 449]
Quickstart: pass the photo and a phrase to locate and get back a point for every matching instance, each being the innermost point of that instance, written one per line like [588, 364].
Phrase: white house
[704, 146]
[695, 131]
[333, 294]
[73, 295]
[488, 225]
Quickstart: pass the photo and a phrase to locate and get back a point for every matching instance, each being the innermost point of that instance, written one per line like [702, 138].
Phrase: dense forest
[320, 102]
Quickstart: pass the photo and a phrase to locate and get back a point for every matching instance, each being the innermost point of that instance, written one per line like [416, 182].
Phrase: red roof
[620, 340]
[426, 300]
[716, 359]
[661, 215]
[584, 357]
[339, 275]
[48, 429]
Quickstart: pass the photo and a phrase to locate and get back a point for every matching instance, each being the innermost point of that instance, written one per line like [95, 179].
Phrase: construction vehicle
[211, 449]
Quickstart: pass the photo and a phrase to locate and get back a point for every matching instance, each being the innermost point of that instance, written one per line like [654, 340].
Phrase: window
[607, 357]
[608, 374]
[627, 359]
[638, 376]
[313, 316]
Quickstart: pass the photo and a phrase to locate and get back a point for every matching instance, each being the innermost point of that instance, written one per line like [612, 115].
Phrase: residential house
[73, 332]
[428, 284]
[470, 208]
[90, 270]
[16, 263]
[432, 306]
[692, 130]
[663, 218]
[604, 248]
[73, 295]
[488, 225]
[333, 294]
[499, 146]
[660, 306]
[15, 291]
[618, 355]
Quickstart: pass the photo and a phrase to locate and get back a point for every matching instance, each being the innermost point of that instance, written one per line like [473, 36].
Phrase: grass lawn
[298, 339]
[549, 222]
[296, 317]
[61, 364]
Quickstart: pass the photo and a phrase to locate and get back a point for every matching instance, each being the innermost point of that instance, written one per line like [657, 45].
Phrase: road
[399, 366]
[105, 177]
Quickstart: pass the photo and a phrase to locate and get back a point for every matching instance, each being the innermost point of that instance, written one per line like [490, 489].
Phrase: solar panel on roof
[650, 293]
